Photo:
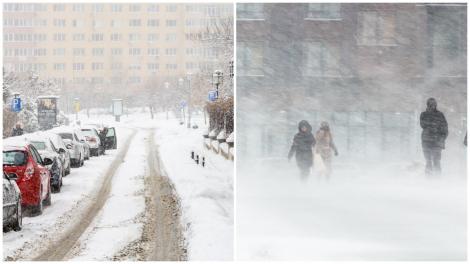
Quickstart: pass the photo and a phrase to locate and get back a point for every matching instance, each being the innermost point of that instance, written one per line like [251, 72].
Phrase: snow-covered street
[199, 213]
[384, 214]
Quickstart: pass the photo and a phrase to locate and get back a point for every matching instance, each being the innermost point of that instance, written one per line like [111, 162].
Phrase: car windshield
[88, 132]
[39, 145]
[66, 136]
[15, 158]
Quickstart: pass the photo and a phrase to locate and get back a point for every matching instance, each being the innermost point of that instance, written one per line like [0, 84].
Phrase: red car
[34, 179]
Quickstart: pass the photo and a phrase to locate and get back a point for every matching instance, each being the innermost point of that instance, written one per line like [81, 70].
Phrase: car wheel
[48, 201]
[19, 217]
[39, 207]
[67, 171]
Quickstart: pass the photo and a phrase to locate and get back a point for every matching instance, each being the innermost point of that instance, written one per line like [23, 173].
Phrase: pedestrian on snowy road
[433, 137]
[325, 147]
[103, 138]
[17, 130]
[302, 147]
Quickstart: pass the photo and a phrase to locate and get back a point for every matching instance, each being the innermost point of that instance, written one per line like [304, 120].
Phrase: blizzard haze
[366, 69]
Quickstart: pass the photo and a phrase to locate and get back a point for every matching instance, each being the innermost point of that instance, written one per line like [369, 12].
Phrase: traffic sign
[16, 105]
[212, 96]
[183, 103]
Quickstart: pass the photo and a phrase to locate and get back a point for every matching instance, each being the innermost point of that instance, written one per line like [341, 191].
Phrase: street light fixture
[217, 80]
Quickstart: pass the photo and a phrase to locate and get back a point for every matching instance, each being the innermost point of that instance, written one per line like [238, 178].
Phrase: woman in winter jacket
[302, 147]
[325, 146]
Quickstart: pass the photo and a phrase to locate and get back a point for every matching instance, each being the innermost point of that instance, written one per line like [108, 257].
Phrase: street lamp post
[189, 100]
[217, 79]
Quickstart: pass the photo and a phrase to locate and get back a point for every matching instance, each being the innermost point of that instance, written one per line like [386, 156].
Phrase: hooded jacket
[302, 146]
[434, 125]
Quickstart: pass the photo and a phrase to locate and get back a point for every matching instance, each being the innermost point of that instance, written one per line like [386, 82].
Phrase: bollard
[203, 161]
[192, 154]
[197, 159]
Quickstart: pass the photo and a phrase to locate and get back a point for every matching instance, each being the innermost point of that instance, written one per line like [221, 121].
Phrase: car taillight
[91, 139]
[28, 173]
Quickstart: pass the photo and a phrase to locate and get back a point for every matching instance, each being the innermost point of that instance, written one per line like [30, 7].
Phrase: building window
[134, 67]
[134, 23]
[98, 23]
[153, 8]
[116, 51]
[134, 8]
[78, 66]
[58, 52]
[116, 8]
[97, 66]
[170, 37]
[59, 37]
[152, 37]
[97, 52]
[115, 37]
[171, 8]
[59, 22]
[58, 7]
[250, 11]
[170, 52]
[78, 52]
[171, 66]
[134, 37]
[152, 23]
[134, 51]
[152, 52]
[59, 66]
[153, 67]
[329, 11]
[171, 23]
[376, 29]
[97, 8]
[78, 23]
[116, 66]
[78, 7]
[321, 60]
[115, 23]
[97, 37]
[250, 59]
[78, 37]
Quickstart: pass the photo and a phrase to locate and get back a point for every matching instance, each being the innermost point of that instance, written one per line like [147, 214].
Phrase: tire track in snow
[58, 250]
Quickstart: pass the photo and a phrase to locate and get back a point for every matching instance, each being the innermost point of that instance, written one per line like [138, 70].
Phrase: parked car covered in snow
[93, 139]
[72, 142]
[47, 150]
[34, 179]
[83, 140]
[12, 210]
[59, 145]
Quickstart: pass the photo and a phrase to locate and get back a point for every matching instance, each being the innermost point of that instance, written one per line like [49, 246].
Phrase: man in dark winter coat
[433, 137]
[103, 138]
[17, 130]
[302, 147]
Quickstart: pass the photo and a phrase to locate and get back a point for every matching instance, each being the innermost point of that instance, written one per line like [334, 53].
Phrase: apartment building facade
[104, 45]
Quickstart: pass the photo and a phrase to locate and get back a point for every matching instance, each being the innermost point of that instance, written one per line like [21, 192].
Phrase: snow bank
[206, 193]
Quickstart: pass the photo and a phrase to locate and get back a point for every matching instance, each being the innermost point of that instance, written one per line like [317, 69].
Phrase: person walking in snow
[325, 147]
[17, 130]
[435, 131]
[302, 147]
[102, 135]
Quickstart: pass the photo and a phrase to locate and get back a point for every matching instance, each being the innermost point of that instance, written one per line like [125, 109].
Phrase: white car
[71, 137]
[93, 139]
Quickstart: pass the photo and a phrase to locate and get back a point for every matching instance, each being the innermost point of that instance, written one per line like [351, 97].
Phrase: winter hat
[304, 123]
[324, 125]
[431, 104]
